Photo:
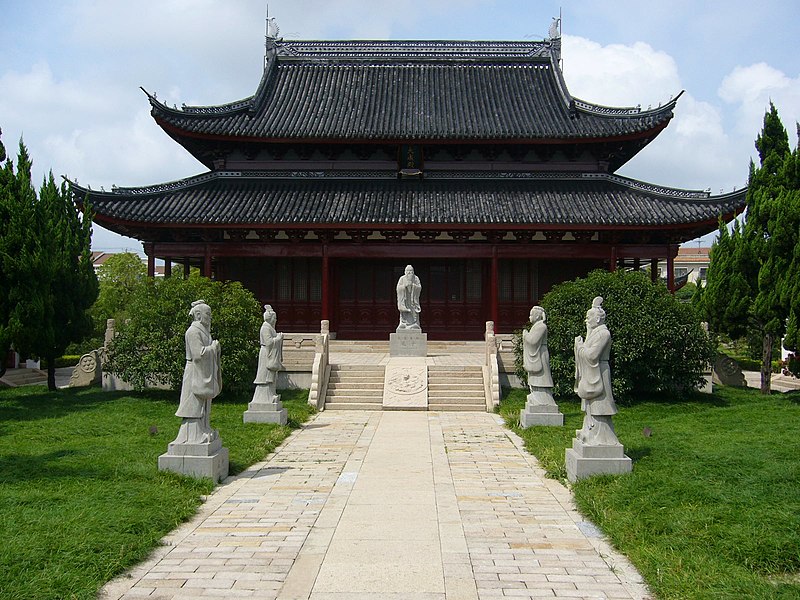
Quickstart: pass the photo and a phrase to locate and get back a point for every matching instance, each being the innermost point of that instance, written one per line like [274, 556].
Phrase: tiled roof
[431, 91]
[331, 198]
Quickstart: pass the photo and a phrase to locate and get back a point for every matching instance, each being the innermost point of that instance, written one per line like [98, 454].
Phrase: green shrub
[68, 360]
[658, 343]
[149, 346]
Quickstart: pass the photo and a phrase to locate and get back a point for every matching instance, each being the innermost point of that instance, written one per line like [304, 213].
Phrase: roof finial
[554, 36]
[272, 27]
[270, 38]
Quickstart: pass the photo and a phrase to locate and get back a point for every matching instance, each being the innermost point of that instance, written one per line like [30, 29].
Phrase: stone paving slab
[387, 505]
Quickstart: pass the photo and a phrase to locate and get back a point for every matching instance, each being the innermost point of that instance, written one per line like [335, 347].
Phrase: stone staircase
[18, 377]
[355, 387]
[456, 388]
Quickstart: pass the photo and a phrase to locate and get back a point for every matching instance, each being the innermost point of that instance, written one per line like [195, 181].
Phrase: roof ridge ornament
[271, 33]
[554, 37]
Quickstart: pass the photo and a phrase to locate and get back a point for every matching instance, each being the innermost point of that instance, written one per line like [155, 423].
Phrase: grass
[81, 497]
[712, 508]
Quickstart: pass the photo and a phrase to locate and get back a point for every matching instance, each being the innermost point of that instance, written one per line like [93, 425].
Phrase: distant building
[469, 160]
[690, 264]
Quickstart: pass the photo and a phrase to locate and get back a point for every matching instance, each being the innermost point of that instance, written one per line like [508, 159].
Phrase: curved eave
[231, 201]
[509, 98]
[178, 134]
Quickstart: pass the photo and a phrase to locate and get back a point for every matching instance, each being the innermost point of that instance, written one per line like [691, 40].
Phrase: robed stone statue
[202, 380]
[593, 380]
[536, 359]
[270, 357]
[408, 291]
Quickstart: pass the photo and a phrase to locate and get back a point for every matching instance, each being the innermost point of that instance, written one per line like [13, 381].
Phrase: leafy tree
[46, 265]
[149, 347]
[753, 271]
[658, 344]
[119, 278]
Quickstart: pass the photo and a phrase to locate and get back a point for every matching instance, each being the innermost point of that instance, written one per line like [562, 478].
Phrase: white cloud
[750, 90]
[694, 151]
[618, 75]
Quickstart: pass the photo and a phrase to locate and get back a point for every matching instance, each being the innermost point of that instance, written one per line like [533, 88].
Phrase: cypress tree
[753, 272]
[48, 276]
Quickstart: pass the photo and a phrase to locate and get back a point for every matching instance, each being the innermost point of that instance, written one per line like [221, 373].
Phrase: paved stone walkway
[387, 505]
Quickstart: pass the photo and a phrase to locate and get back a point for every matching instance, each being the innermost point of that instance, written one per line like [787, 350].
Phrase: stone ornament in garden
[408, 291]
[408, 340]
[197, 450]
[540, 408]
[266, 405]
[595, 448]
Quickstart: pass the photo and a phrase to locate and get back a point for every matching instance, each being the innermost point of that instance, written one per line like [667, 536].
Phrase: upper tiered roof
[420, 91]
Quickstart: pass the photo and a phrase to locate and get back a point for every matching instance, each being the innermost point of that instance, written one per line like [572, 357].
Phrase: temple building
[469, 160]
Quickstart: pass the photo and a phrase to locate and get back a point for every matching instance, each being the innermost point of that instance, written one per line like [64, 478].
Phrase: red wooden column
[494, 284]
[151, 259]
[167, 266]
[671, 272]
[653, 270]
[612, 264]
[326, 285]
[186, 268]
[207, 263]
[672, 252]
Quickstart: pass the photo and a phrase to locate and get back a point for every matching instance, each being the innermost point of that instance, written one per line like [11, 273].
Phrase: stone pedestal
[540, 414]
[408, 343]
[263, 409]
[196, 460]
[585, 461]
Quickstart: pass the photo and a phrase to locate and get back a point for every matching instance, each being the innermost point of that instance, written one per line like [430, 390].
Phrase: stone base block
[214, 466]
[585, 461]
[541, 415]
[259, 413]
[408, 343]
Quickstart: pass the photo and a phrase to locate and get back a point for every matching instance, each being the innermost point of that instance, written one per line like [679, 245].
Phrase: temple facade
[469, 160]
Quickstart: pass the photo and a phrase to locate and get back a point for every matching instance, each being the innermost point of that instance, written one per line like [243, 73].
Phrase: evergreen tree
[18, 240]
[754, 270]
[46, 265]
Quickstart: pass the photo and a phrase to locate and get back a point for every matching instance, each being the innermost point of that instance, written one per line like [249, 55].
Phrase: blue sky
[71, 70]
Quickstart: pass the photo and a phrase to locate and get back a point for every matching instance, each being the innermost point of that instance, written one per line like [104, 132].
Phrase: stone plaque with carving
[406, 384]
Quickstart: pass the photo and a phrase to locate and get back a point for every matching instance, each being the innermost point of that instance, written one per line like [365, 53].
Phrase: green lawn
[712, 508]
[81, 497]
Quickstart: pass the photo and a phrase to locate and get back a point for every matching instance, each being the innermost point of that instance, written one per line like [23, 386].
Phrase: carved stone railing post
[320, 370]
[491, 369]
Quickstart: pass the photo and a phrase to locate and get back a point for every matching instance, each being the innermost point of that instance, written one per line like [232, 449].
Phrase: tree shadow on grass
[636, 454]
[793, 396]
[17, 468]
[38, 403]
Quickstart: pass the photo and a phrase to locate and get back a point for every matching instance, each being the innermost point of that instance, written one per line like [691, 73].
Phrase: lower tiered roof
[470, 200]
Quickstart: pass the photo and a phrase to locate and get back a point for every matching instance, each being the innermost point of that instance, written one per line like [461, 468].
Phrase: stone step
[458, 407]
[439, 382]
[17, 377]
[362, 378]
[457, 400]
[456, 393]
[459, 388]
[355, 391]
[353, 406]
[349, 383]
[350, 397]
[356, 369]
